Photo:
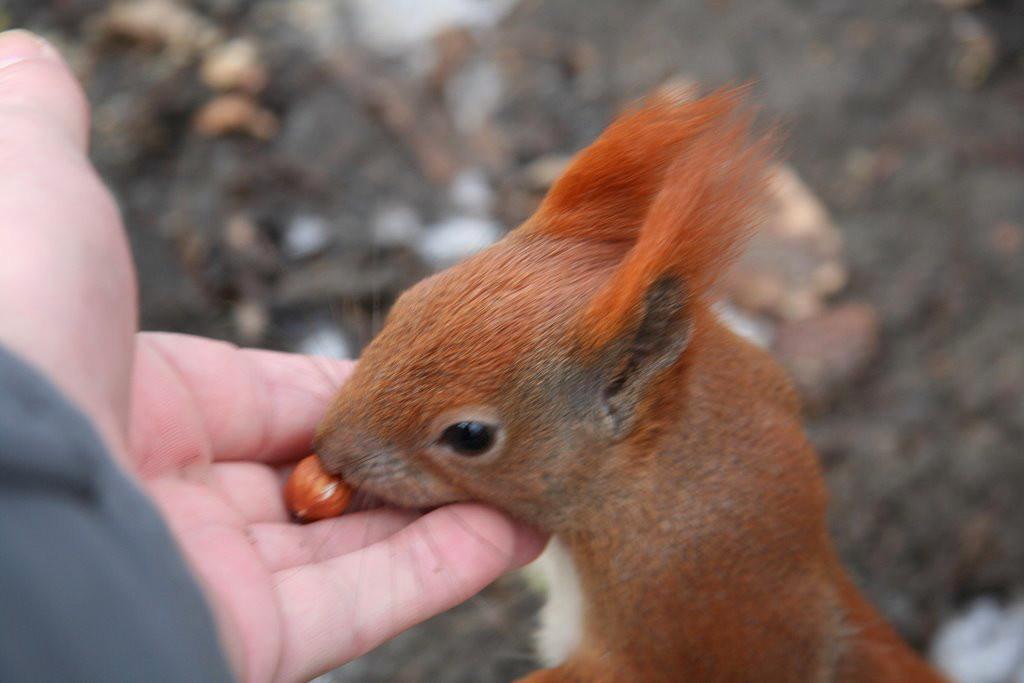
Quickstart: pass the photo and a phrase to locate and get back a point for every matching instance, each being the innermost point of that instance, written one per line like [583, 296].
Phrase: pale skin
[203, 426]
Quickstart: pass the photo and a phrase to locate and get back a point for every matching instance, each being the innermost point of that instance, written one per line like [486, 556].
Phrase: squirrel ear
[608, 187]
[655, 342]
[642, 318]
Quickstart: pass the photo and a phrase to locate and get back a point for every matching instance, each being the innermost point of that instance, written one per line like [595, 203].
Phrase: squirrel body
[778, 609]
[575, 376]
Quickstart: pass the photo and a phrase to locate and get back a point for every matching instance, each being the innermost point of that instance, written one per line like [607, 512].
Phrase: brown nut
[311, 493]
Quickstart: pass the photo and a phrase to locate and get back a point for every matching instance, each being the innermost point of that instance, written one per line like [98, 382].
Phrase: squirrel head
[512, 377]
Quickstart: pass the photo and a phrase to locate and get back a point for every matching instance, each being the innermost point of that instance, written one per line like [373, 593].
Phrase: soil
[916, 150]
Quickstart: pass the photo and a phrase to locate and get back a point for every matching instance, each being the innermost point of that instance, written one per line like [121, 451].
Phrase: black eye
[468, 438]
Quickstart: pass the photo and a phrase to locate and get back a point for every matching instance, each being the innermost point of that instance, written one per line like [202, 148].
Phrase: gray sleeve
[92, 586]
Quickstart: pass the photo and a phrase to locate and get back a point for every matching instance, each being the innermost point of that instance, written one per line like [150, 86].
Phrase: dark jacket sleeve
[92, 586]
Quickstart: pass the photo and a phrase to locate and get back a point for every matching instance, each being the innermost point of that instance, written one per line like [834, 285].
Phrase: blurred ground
[288, 167]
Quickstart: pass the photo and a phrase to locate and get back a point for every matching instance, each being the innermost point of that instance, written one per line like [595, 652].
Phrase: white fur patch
[561, 619]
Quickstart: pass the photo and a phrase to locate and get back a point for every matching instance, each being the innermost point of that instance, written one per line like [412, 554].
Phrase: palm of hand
[297, 600]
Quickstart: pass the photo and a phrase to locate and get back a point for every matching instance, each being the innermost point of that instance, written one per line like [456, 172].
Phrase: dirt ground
[306, 202]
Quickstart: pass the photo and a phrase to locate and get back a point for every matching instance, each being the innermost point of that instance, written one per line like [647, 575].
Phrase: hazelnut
[311, 493]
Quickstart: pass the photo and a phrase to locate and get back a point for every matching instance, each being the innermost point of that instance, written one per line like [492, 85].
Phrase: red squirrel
[575, 376]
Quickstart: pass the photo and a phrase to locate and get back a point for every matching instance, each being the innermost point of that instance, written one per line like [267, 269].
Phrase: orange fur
[607, 189]
[702, 214]
[665, 452]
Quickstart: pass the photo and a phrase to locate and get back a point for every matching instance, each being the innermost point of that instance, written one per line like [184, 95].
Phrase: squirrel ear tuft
[706, 203]
[609, 186]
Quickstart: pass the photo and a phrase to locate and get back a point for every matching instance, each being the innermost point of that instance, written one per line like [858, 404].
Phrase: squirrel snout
[348, 453]
[380, 469]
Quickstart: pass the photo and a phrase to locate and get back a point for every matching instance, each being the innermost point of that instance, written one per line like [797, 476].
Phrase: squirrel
[575, 376]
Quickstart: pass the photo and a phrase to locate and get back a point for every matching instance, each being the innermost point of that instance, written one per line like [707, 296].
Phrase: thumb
[36, 87]
[67, 288]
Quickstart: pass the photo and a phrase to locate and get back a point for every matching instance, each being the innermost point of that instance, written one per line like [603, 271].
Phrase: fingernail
[17, 45]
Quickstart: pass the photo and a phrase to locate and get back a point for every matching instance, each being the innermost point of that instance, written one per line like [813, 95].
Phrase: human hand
[209, 422]
[205, 426]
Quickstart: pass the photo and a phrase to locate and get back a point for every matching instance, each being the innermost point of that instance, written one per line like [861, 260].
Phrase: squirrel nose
[345, 451]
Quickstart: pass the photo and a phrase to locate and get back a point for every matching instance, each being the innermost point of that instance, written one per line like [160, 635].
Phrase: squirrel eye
[468, 438]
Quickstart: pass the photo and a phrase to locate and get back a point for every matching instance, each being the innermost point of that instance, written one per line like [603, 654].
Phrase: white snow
[455, 238]
[305, 236]
[983, 644]
[393, 27]
[750, 327]
[324, 340]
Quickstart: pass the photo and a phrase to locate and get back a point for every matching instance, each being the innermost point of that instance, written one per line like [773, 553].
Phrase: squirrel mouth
[403, 491]
[363, 501]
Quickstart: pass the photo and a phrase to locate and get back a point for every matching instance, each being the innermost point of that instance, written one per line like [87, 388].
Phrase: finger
[67, 289]
[339, 609]
[197, 399]
[284, 546]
